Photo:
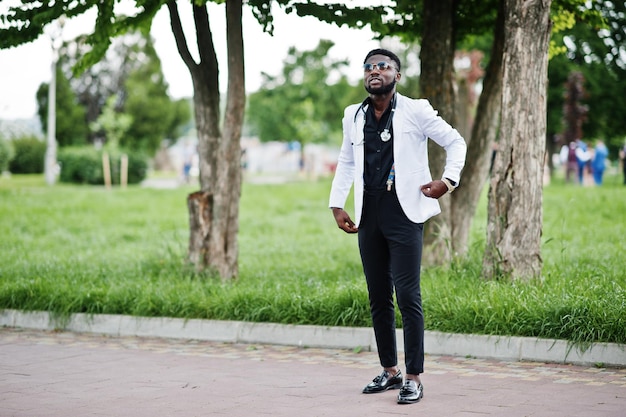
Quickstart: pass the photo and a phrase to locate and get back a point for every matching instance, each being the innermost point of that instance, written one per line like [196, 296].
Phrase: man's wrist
[449, 183]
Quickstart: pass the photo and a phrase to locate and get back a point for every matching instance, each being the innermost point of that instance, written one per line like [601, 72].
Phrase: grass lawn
[73, 248]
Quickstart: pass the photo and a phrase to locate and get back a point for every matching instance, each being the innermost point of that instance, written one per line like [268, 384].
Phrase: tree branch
[179, 36]
[206, 48]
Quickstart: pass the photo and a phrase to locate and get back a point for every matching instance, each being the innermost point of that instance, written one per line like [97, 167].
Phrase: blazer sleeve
[344, 173]
[446, 136]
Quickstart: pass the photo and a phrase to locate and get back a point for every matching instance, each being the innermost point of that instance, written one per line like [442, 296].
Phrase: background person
[582, 157]
[567, 157]
[598, 163]
[189, 153]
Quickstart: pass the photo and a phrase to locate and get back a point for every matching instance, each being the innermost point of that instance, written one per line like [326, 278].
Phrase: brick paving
[49, 374]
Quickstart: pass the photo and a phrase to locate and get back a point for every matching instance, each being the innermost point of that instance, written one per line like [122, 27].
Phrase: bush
[6, 154]
[137, 167]
[29, 156]
[84, 166]
[80, 166]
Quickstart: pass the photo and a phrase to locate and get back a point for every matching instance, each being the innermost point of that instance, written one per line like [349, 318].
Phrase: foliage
[26, 24]
[336, 13]
[122, 253]
[594, 52]
[474, 21]
[80, 166]
[6, 154]
[112, 125]
[305, 103]
[83, 165]
[471, 18]
[154, 114]
[558, 71]
[71, 123]
[96, 84]
[598, 55]
[29, 155]
[130, 71]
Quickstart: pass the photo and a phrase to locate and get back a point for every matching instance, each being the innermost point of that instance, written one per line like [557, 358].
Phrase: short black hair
[386, 52]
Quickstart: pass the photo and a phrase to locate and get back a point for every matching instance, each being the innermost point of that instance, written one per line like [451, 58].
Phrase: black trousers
[391, 253]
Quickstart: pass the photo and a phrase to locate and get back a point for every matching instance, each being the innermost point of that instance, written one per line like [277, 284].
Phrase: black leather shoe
[383, 382]
[411, 392]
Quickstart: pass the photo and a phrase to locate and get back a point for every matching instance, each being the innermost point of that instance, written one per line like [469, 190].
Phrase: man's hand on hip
[434, 189]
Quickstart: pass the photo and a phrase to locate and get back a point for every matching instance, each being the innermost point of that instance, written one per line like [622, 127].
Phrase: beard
[384, 89]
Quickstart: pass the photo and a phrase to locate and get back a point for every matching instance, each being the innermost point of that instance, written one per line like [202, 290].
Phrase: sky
[24, 68]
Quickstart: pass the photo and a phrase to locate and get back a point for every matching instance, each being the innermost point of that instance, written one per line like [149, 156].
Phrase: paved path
[49, 374]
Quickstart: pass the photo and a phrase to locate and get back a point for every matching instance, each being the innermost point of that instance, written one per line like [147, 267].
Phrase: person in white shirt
[384, 155]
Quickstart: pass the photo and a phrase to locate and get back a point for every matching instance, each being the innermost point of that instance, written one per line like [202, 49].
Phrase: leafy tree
[305, 103]
[94, 84]
[154, 114]
[597, 52]
[214, 209]
[130, 70]
[112, 125]
[71, 126]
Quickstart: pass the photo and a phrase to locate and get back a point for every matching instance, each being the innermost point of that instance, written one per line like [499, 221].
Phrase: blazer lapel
[398, 128]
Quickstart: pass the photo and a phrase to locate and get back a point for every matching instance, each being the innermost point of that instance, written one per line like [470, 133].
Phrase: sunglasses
[382, 66]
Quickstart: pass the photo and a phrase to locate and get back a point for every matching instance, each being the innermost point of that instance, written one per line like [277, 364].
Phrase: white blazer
[414, 122]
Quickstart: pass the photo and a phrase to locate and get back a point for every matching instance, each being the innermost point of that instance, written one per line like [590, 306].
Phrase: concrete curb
[436, 343]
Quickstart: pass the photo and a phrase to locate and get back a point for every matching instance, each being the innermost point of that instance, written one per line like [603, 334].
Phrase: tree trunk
[437, 85]
[480, 145]
[515, 194]
[214, 210]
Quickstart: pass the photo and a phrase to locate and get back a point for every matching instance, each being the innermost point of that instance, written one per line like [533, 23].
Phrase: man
[384, 154]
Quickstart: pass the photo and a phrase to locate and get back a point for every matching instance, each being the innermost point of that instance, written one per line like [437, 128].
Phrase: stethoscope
[385, 135]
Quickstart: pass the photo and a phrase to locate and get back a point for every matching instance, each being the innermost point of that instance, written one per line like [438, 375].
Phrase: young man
[385, 156]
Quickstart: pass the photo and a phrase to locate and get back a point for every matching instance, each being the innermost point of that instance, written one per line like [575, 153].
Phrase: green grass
[69, 249]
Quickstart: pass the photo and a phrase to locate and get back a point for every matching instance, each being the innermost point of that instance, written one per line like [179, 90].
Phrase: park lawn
[69, 249]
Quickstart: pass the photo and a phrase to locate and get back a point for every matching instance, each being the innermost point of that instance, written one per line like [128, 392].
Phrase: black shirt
[378, 154]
